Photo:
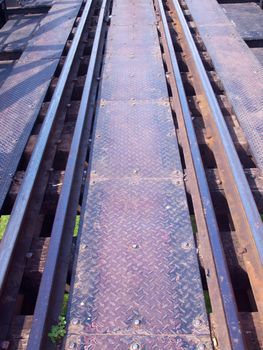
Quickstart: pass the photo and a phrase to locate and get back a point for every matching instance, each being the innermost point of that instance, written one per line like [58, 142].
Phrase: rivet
[135, 346]
[137, 322]
[186, 245]
[197, 322]
[75, 321]
[135, 246]
[135, 171]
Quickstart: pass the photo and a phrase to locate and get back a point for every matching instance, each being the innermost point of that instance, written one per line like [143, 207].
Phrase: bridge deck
[242, 78]
[136, 280]
[23, 92]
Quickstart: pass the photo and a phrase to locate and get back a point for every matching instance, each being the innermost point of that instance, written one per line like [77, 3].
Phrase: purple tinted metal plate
[131, 14]
[24, 90]
[50, 38]
[136, 277]
[247, 17]
[86, 342]
[21, 96]
[17, 31]
[133, 40]
[242, 79]
[132, 36]
[134, 75]
[137, 261]
[135, 138]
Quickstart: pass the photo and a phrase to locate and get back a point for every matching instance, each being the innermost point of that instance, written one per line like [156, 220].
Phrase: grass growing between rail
[76, 228]
[207, 302]
[3, 223]
[193, 223]
[58, 330]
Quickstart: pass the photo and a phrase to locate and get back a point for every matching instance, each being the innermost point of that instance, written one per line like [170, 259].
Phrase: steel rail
[15, 223]
[246, 198]
[229, 305]
[65, 207]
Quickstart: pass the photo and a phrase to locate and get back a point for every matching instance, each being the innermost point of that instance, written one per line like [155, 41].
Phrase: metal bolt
[72, 345]
[201, 347]
[197, 322]
[29, 255]
[137, 322]
[82, 303]
[135, 172]
[135, 346]
[186, 245]
[135, 246]
[75, 321]
[168, 207]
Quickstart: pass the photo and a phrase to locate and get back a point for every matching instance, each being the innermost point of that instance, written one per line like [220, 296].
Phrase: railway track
[44, 208]
[223, 184]
[199, 116]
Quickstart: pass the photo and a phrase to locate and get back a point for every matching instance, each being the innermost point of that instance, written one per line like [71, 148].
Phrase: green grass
[193, 222]
[58, 330]
[76, 228]
[65, 305]
[207, 302]
[3, 223]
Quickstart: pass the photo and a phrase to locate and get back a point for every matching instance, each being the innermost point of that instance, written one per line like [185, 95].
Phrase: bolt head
[135, 246]
[197, 323]
[201, 347]
[135, 346]
[75, 321]
[137, 322]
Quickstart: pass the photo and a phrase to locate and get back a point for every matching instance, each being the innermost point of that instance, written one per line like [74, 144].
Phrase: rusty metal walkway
[24, 90]
[136, 280]
[242, 78]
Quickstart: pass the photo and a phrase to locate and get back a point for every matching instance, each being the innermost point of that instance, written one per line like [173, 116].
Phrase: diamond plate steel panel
[84, 342]
[242, 79]
[50, 38]
[247, 17]
[21, 96]
[133, 39]
[137, 261]
[136, 278]
[131, 13]
[24, 90]
[133, 75]
[16, 32]
[135, 138]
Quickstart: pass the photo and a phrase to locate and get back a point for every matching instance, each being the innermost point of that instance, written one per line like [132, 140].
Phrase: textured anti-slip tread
[24, 90]
[136, 281]
[237, 67]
